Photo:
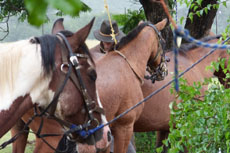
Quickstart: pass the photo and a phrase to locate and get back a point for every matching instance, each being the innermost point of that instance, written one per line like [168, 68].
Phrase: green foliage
[226, 33]
[11, 8]
[130, 19]
[35, 11]
[145, 142]
[198, 10]
[200, 123]
[37, 15]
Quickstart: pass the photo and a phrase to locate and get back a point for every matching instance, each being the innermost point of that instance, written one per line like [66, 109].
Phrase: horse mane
[11, 54]
[130, 36]
[48, 44]
[10, 57]
[189, 46]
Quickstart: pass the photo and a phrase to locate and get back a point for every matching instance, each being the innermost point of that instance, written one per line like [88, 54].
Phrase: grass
[8, 149]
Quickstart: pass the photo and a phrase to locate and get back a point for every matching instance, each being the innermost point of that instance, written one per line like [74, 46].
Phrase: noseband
[161, 71]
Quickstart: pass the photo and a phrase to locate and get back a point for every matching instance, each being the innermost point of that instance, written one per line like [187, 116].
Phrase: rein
[76, 77]
[80, 83]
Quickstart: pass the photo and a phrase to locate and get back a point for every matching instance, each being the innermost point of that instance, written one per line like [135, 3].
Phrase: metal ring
[94, 119]
[63, 66]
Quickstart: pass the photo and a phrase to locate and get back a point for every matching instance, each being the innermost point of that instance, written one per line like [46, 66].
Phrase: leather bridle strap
[82, 87]
[122, 55]
[162, 41]
[57, 93]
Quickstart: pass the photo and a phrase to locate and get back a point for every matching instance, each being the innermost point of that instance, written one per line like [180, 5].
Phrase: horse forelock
[130, 36]
[48, 45]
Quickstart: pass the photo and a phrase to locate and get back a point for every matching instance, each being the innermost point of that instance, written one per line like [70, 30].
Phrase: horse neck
[199, 52]
[138, 51]
[9, 117]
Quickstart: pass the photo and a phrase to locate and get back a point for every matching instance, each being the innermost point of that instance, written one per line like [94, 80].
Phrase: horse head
[79, 103]
[157, 62]
[147, 38]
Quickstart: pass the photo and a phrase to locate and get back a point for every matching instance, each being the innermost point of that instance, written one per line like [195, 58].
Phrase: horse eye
[92, 74]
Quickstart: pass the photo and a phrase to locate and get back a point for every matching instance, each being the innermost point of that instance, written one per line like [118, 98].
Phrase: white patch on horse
[103, 118]
[62, 104]
[22, 73]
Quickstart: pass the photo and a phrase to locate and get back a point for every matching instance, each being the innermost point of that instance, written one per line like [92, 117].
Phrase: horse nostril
[109, 136]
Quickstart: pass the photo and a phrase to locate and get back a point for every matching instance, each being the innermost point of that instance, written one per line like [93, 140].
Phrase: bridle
[161, 71]
[158, 73]
[70, 61]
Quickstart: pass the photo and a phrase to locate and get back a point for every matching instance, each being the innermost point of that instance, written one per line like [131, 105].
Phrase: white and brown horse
[120, 76]
[55, 68]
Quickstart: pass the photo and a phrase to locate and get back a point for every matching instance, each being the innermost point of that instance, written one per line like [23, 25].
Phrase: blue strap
[83, 133]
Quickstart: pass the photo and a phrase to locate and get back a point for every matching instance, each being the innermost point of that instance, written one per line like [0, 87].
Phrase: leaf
[195, 8]
[71, 7]
[37, 15]
[191, 16]
[198, 14]
[192, 5]
[37, 9]
[209, 6]
[206, 10]
[199, 2]
[225, 3]
[201, 12]
[181, 20]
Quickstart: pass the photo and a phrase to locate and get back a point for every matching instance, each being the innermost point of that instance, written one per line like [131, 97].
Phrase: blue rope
[85, 134]
[175, 50]
[158, 90]
[176, 9]
[185, 34]
[179, 32]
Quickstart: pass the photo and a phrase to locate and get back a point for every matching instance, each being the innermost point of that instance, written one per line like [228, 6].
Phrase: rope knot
[179, 31]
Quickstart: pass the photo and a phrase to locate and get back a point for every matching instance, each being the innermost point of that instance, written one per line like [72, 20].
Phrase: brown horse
[139, 48]
[120, 76]
[156, 113]
[35, 71]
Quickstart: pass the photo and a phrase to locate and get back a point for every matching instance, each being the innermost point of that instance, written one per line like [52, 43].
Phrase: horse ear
[161, 25]
[80, 36]
[58, 26]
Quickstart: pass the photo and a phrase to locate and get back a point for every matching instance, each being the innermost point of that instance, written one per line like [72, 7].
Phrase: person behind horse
[106, 45]
[104, 36]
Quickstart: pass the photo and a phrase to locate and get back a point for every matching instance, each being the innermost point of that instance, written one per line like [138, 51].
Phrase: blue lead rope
[83, 133]
[179, 32]
[175, 49]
